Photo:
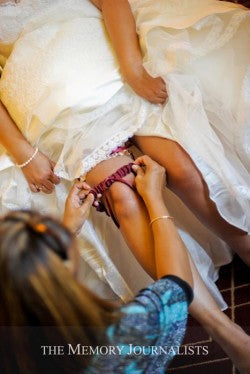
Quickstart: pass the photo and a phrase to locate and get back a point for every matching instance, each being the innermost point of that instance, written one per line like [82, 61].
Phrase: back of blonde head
[42, 303]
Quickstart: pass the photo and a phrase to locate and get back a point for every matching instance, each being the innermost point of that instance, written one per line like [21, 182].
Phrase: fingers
[45, 189]
[158, 98]
[82, 185]
[145, 161]
[151, 88]
[97, 201]
[88, 202]
[84, 189]
[162, 84]
[48, 186]
[33, 188]
[161, 96]
[85, 194]
[53, 177]
[45, 185]
[76, 189]
[81, 191]
[41, 188]
[139, 171]
[150, 165]
[160, 92]
[53, 164]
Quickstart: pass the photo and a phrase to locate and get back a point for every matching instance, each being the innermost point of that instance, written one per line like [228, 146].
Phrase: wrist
[156, 208]
[68, 223]
[132, 69]
[23, 152]
[151, 199]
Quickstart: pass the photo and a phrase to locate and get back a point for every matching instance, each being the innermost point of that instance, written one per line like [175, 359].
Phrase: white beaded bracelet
[29, 160]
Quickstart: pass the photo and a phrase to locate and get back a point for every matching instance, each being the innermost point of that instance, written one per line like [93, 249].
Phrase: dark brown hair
[41, 303]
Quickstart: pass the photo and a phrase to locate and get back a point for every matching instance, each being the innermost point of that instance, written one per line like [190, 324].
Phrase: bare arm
[170, 252]
[97, 3]
[40, 171]
[11, 136]
[171, 256]
[121, 27]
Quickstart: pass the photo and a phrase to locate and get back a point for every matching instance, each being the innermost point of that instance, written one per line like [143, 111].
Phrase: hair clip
[40, 227]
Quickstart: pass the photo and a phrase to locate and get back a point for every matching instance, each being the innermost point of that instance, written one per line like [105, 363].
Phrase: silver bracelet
[29, 160]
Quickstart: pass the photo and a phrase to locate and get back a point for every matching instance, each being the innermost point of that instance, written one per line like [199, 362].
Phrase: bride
[66, 109]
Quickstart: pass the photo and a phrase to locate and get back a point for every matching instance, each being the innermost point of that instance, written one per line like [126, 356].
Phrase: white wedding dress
[61, 84]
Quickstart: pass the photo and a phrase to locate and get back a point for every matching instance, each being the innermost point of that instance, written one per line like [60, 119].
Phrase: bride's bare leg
[129, 210]
[186, 181]
[232, 339]
[134, 225]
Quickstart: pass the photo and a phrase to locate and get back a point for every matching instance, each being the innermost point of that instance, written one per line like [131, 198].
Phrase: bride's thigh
[182, 173]
[105, 168]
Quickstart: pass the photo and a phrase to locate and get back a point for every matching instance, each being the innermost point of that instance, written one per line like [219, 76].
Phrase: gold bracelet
[161, 217]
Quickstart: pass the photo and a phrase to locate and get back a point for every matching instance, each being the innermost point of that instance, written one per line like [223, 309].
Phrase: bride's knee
[123, 200]
[119, 197]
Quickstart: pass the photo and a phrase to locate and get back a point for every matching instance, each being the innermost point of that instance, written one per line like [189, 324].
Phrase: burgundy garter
[107, 183]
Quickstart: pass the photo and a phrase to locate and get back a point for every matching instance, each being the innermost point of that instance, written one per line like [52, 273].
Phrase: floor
[234, 284]
[243, 2]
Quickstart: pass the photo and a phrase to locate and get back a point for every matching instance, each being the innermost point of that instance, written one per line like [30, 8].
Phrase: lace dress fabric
[62, 86]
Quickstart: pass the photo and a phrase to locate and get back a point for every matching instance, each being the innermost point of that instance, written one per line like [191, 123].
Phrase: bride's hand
[38, 169]
[40, 175]
[151, 89]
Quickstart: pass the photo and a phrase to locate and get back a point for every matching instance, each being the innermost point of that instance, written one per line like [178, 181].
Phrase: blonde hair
[41, 302]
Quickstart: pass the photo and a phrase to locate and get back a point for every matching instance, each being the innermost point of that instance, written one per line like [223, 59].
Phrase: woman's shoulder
[154, 308]
[169, 289]
[155, 319]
